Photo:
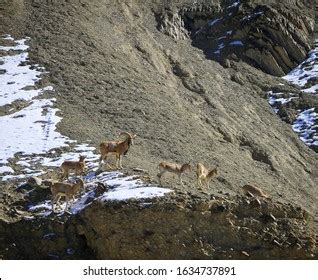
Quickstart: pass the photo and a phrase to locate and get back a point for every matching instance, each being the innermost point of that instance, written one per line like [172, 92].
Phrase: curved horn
[125, 133]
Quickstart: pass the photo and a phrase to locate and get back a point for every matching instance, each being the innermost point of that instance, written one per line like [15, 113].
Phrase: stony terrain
[153, 68]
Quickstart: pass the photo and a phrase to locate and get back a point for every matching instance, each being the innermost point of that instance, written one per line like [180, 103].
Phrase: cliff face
[179, 226]
[142, 66]
[272, 37]
[198, 228]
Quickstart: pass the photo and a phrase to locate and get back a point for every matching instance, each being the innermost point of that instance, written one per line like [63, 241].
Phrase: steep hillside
[138, 66]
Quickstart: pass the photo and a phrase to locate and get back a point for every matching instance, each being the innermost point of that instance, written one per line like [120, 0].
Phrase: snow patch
[31, 130]
[251, 16]
[234, 5]
[22, 176]
[305, 71]
[6, 169]
[19, 44]
[306, 125]
[236, 43]
[17, 77]
[214, 22]
[120, 188]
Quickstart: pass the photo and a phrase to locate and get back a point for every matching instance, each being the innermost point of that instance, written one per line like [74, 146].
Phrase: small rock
[234, 57]
[34, 181]
[268, 218]
[226, 63]
[221, 208]
[139, 170]
[298, 246]
[245, 253]
[238, 78]
[255, 203]
[277, 243]
[203, 206]
[100, 189]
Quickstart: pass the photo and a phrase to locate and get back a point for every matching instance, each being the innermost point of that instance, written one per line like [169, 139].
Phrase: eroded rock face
[198, 228]
[272, 37]
[177, 226]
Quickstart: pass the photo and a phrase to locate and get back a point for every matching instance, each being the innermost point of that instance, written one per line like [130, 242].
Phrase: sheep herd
[119, 149]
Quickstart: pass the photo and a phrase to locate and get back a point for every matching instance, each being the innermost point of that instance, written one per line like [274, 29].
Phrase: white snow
[19, 45]
[221, 38]
[138, 193]
[128, 187]
[57, 161]
[275, 99]
[313, 89]
[218, 50]
[305, 71]
[121, 188]
[21, 176]
[306, 123]
[306, 126]
[235, 4]
[18, 77]
[23, 163]
[31, 130]
[236, 43]
[84, 147]
[248, 17]
[6, 169]
[213, 22]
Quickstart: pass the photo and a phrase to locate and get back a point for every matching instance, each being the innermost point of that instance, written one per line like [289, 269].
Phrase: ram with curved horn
[119, 148]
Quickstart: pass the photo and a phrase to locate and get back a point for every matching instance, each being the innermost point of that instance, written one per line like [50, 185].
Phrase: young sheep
[174, 168]
[205, 175]
[119, 148]
[69, 165]
[68, 190]
[253, 191]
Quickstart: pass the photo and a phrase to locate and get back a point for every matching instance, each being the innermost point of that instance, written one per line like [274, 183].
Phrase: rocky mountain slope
[174, 74]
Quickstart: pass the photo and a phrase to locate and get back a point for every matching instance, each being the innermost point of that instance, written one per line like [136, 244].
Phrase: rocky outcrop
[272, 37]
[172, 24]
[198, 228]
[179, 226]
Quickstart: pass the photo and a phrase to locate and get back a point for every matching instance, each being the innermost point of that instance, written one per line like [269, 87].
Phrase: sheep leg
[102, 159]
[52, 201]
[58, 201]
[120, 165]
[55, 200]
[160, 174]
[66, 204]
[208, 184]
[117, 161]
[180, 179]
[63, 175]
[199, 183]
